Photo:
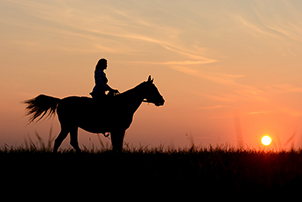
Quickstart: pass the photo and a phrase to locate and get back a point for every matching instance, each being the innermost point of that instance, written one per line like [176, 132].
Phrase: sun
[266, 140]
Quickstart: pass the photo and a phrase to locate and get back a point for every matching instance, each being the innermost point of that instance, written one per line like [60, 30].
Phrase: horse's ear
[149, 79]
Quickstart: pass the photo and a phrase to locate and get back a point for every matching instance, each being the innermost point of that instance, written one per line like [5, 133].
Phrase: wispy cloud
[256, 29]
[283, 88]
[279, 25]
[258, 112]
[219, 98]
[186, 62]
[219, 78]
[120, 24]
[213, 107]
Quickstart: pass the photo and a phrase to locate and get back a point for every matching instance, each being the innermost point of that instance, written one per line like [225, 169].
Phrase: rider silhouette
[101, 81]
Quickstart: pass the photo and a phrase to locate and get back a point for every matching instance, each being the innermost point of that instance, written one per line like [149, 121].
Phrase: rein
[145, 100]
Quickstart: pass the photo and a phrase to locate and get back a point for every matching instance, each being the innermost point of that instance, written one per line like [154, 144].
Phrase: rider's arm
[102, 81]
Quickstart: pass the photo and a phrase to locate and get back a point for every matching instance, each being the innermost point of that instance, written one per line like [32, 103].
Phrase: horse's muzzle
[160, 103]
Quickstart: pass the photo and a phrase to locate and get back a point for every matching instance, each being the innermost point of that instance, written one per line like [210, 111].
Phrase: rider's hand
[115, 92]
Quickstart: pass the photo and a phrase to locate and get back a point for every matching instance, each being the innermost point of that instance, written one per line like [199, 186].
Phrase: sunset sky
[229, 70]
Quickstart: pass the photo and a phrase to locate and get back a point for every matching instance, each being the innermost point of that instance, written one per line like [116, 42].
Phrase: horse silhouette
[113, 114]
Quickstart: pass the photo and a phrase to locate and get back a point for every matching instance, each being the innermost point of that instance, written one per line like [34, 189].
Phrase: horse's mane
[132, 90]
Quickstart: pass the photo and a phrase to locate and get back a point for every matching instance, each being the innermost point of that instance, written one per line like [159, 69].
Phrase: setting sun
[266, 140]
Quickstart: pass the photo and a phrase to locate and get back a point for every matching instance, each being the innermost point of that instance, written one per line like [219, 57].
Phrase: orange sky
[224, 67]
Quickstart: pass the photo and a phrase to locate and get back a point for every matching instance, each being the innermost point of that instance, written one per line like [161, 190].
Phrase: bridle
[146, 100]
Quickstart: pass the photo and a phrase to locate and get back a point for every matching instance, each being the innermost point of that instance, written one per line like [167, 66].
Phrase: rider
[101, 81]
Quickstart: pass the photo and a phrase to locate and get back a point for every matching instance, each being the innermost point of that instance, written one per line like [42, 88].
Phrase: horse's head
[151, 93]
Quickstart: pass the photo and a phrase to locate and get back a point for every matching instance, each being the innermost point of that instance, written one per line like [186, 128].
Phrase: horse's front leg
[74, 139]
[117, 139]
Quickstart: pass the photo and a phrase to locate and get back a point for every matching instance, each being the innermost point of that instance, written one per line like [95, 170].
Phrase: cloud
[219, 78]
[277, 24]
[189, 53]
[258, 112]
[284, 88]
[109, 27]
[186, 62]
[256, 29]
[220, 98]
[292, 112]
[214, 107]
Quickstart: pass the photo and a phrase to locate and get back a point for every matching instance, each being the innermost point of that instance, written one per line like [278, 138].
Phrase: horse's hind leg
[63, 134]
[74, 139]
[117, 139]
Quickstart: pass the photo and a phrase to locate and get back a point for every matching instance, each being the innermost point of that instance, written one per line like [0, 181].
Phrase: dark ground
[200, 171]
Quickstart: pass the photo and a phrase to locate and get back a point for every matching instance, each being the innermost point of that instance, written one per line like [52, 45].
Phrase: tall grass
[219, 168]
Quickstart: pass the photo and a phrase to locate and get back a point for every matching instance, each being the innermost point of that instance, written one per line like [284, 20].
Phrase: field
[221, 169]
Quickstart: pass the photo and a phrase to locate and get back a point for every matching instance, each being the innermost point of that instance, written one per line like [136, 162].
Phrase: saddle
[100, 101]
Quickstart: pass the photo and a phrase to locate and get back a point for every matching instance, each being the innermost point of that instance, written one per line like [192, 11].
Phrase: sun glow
[266, 140]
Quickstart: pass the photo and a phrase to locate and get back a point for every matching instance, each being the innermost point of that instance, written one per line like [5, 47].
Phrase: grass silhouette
[208, 168]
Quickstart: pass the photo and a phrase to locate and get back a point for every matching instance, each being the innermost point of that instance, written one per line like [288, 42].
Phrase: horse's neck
[132, 99]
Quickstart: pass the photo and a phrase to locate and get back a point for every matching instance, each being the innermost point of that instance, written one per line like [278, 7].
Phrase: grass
[194, 170]
[210, 168]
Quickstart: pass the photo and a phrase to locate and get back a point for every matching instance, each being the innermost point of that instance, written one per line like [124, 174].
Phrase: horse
[111, 115]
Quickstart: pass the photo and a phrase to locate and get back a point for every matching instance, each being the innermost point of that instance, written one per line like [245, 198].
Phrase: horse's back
[76, 100]
[74, 105]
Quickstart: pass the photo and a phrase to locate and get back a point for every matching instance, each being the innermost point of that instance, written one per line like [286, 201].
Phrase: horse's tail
[40, 106]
